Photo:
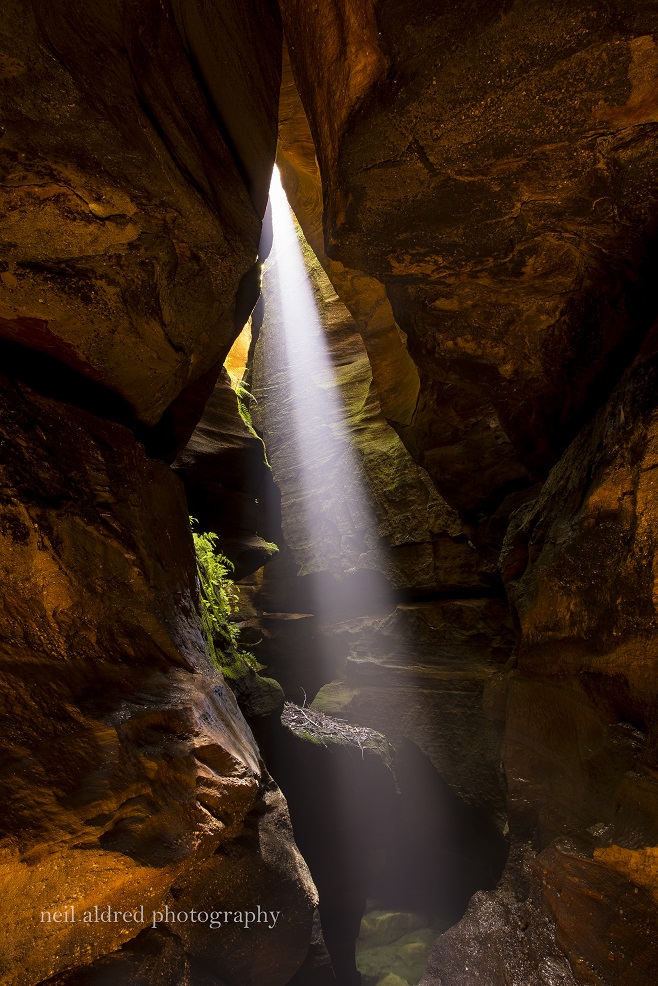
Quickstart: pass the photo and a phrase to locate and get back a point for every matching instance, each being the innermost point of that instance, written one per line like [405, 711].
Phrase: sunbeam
[323, 454]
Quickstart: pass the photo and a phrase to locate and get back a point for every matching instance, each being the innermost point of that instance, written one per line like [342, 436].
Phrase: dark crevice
[46, 375]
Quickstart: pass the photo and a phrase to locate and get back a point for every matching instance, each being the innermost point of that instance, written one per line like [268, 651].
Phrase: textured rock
[422, 673]
[228, 482]
[129, 775]
[493, 169]
[580, 717]
[579, 569]
[375, 822]
[503, 938]
[362, 527]
[394, 373]
[131, 209]
[574, 917]
[382, 513]
[345, 808]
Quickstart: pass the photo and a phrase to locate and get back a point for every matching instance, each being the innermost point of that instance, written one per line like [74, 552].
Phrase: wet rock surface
[377, 822]
[502, 939]
[478, 188]
[341, 789]
[580, 709]
[510, 215]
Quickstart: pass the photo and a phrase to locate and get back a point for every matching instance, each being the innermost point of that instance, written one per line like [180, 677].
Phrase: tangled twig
[322, 727]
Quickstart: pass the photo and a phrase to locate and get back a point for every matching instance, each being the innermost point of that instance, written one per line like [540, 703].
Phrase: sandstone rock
[421, 673]
[343, 800]
[317, 969]
[132, 209]
[580, 719]
[127, 767]
[385, 927]
[228, 481]
[578, 565]
[379, 511]
[493, 170]
[499, 941]
[361, 526]
[606, 923]
[394, 373]
[574, 917]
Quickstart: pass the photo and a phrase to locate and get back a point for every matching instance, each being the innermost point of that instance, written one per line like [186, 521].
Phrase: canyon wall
[136, 147]
[492, 169]
[477, 185]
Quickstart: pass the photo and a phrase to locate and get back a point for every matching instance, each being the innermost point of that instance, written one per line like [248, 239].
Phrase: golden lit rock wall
[135, 151]
[135, 163]
[494, 168]
[126, 763]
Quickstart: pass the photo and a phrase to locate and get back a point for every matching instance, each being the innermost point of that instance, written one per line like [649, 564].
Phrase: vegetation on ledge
[219, 600]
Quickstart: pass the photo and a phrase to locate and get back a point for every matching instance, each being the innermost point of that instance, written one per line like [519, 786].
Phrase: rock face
[364, 833]
[131, 210]
[130, 776]
[365, 541]
[135, 150]
[493, 169]
[477, 183]
[342, 793]
[359, 601]
[228, 482]
[422, 673]
[394, 373]
[580, 569]
[580, 717]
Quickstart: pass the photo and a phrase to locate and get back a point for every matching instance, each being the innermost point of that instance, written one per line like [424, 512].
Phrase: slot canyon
[328, 506]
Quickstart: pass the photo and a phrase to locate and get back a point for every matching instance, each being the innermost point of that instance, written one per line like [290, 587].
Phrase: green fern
[219, 596]
[245, 397]
[219, 601]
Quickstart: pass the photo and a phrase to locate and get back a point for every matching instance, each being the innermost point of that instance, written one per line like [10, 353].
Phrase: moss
[244, 398]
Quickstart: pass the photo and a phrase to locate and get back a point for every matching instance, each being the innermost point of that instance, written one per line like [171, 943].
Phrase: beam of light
[333, 499]
[330, 524]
